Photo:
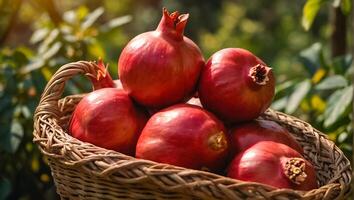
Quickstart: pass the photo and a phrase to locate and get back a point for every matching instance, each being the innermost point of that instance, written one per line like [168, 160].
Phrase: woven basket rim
[55, 142]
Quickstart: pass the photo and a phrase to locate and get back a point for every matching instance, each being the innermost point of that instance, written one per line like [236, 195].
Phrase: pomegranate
[274, 164]
[160, 68]
[108, 118]
[247, 134]
[184, 135]
[236, 85]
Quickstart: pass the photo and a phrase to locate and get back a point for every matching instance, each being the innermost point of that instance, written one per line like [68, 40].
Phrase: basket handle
[48, 104]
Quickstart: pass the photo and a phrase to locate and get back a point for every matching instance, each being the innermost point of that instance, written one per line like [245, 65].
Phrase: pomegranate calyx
[101, 78]
[217, 141]
[173, 23]
[295, 170]
[259, 74]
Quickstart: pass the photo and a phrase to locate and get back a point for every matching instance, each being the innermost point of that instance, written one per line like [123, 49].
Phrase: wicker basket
[84, 171]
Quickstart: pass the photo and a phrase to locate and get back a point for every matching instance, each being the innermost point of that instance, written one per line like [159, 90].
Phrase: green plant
[324, 97]
[23, 75]
[312, 7]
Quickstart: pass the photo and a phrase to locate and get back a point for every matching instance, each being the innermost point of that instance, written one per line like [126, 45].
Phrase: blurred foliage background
[308, 44]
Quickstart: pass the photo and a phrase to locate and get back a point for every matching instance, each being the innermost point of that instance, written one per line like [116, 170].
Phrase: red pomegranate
[184, 135]
[160, 68]
[247, 134]
[108, 118]
[236, 85]
[274, 164]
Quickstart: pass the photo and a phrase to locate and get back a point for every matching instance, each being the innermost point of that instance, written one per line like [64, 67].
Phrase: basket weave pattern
[85, 171]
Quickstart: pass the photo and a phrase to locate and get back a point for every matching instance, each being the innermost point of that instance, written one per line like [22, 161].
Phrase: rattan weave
[84, 171]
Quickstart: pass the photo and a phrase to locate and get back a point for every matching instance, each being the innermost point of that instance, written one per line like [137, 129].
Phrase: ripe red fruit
[274, 164]
[236, 85]
[247, 134]
[184, 135]
[160, 68]
[108, 118]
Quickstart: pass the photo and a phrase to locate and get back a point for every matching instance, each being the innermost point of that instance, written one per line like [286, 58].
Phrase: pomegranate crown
[295, 170]
[259, 74]
[101, 78]
[173, 24]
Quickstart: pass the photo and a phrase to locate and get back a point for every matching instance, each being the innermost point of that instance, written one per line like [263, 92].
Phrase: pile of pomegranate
[170, 106]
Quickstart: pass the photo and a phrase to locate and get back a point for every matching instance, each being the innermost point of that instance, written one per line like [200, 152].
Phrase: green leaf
[16, 135]
[20, 58]
[298, 95]
[33, 66]
[54, 49]
[341, 64]
[52, 36]
[310, 57]
[284, 86]
[280, 104]
[336, 81]
[346, 6]
[342, 137]
[346, 147]
[309, 12]
[92, 18]
[39, 35]
[26, 112]
[41, 60]
[26, 51]
[116, 22]
[70, 17]
[338, 103]
[5, 188]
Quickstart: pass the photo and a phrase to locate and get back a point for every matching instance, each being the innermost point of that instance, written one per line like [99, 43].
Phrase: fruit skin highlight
[108, 118]
[274, 164]
[184, 135]
[236, 85]
[161, 68]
